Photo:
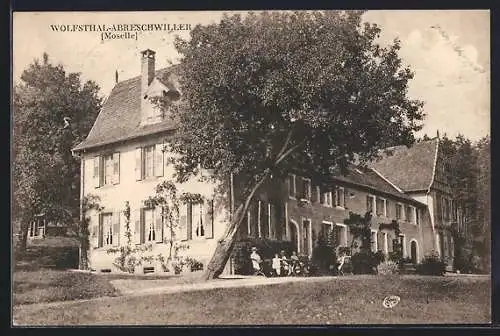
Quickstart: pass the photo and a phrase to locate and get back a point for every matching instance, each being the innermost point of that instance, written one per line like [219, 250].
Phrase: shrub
[431, 265]
[366, 262]
[387, 268]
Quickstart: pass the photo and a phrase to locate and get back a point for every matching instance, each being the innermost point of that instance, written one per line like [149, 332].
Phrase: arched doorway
[294, 234]
[414, 251]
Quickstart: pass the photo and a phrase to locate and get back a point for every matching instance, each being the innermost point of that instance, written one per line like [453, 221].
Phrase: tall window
[326, 198]
[197, 220]
[315, 194]
[369, 203]
[339, 197]
[408, 213]
[108, 169]
[399, 211]
[149, 224]
[381, 207]
[149, 152]
[107, 229]
[305, 188]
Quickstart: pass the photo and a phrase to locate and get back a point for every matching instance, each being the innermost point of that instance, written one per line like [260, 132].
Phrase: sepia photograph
[251, 168]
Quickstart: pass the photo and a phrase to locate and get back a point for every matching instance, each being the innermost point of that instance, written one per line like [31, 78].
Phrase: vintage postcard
[251, 168]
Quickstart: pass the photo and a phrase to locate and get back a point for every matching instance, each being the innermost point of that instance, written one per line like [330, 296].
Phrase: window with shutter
[116, 229]
[209, 219]
[107, 169]
[116, 168]
[100, 231]
[158, 160]
[339, 197]
[315, 194]
[159, 227]
[198, 221]
[149, 225]
[138, 164]
[399, 211]
[149, 156]
[96, 172]
[94, 230]
[138, 232]
[106, 238]
[370, 200]
[183, 222]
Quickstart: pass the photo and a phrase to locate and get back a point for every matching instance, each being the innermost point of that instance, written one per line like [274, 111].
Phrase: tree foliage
[470, 178]
[267, 93]
[46, 177]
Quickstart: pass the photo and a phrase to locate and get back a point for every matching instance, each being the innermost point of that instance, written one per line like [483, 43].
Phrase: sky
[449, 52]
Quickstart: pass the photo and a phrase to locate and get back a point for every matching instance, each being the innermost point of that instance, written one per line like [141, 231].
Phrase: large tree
[270, 92]
[52, 112]
[468, 170]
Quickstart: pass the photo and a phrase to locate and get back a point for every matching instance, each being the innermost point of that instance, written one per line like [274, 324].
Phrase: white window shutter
[139, 232]
[158, 226]
[183, 222]
[116, 168]
[94, 230]
[100, 231]
[158, 160]
[116, 228]
[138, 164]
[96, 172]
[209, 218]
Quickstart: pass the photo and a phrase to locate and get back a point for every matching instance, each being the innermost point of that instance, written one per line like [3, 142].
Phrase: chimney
[147, 69]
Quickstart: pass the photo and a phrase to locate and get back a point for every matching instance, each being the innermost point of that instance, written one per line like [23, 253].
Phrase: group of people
[280, 264]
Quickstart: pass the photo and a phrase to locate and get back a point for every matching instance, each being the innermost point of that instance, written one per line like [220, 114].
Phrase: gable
[410, 169]
[120, 116]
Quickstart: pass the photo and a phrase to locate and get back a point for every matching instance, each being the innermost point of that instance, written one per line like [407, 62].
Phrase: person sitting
[256, 262]
[276, 264]
[286, 264]
[340, 263]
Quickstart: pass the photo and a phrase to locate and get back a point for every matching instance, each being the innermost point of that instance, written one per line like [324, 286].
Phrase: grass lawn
[349, 300]
[45, 285]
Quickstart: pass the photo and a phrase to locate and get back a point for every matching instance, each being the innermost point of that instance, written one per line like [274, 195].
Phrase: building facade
[125, 157]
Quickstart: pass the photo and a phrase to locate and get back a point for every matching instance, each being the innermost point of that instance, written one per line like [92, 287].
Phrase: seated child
[256, 259]
[277, 264]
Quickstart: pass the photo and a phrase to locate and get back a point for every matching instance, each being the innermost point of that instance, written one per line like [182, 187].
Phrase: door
[413, 251]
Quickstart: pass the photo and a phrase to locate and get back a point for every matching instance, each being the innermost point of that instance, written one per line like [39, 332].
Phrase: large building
[124, 157]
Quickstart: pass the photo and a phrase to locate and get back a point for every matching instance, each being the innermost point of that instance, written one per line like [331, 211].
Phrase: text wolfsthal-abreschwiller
[134, 27]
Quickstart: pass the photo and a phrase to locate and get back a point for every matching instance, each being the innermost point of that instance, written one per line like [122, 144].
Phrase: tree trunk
[225, 245]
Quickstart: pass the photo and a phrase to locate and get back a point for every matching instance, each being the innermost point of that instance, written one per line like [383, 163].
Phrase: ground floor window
[149, 224]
